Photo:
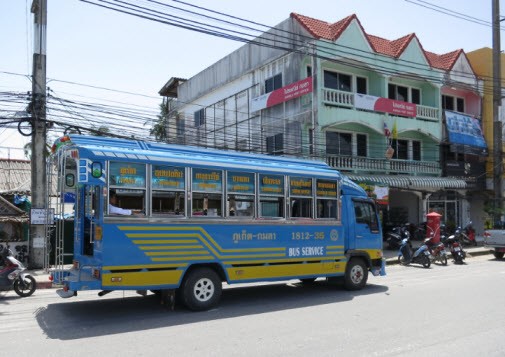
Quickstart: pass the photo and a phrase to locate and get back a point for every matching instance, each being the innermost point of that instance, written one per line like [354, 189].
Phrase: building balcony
[347, 100]
[383, 166]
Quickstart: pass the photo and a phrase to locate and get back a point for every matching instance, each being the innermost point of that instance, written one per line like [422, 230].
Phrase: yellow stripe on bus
[237, 274]
[169, 247]
[196, 252]
[185, 258]
[202, 239]
[373, 253]
[145, 266]
[165, 241]
[287, 260]
[146, 278]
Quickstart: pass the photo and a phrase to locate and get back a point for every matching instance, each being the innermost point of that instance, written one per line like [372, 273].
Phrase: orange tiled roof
[324, 30]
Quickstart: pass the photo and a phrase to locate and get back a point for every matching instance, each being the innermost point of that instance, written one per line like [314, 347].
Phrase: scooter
[395, 237]
[467, 235]
[437, 250]
[13, 275]
[420, 256]
[456, 249]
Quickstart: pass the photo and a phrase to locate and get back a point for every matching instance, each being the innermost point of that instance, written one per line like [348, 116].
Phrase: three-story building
[373, 108]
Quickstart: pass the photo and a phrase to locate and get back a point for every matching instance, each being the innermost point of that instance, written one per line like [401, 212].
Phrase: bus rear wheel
[356, 274]
[201, 289]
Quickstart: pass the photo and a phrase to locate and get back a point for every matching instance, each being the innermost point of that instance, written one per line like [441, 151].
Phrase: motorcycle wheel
[401, 260]
[443, 259]
[426, 261]
[26, 288]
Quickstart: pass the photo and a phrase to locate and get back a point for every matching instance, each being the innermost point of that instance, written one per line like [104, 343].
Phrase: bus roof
[125, 149]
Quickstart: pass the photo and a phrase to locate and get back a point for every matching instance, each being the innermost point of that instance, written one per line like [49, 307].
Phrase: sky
[96, 54]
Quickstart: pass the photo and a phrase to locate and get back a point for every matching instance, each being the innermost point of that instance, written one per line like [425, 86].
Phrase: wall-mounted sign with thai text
[281, 95]
[385, 105]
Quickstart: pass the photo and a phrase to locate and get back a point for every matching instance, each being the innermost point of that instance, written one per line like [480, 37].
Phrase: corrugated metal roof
[15, 175]
[412, 182]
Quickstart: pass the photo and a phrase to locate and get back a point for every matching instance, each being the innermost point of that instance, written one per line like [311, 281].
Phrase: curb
[394, 261]
[44, 285]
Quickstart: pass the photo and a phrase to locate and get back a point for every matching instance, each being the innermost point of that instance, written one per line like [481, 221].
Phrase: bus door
[89, 216]
[366, 226]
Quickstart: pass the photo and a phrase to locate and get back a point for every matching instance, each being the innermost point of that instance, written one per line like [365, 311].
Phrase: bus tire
[356, 274]
[201, 289]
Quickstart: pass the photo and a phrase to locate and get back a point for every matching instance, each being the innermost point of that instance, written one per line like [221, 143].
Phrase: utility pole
[497, 124]
[38, 111]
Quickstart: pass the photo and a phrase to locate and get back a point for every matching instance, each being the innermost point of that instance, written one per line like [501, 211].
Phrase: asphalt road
[442, 311]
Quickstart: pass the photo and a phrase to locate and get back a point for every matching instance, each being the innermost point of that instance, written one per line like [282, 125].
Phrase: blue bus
[180, 221]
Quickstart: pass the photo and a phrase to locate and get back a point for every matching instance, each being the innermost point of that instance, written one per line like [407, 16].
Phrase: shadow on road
[83, 319]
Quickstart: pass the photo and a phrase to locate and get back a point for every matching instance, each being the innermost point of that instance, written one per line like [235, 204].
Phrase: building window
[401, 148]
[416, 96]
[453, 103]
[200, 117]
[460, 105]
[416, 150]
[361, 84]
[338, 143]
[398, 92]
[275, 144]
[179, 127]
[338, 81]
[309, 71]
[361, 145]
[273, 83]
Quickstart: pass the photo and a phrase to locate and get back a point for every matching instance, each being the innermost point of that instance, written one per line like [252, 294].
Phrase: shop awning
[413, 182]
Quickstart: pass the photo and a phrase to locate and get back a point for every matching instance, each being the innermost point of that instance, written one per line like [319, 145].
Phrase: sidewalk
[42, 277]
[392, 255]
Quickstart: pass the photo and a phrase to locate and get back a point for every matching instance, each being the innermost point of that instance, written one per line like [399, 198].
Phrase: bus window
[271, 189]
[240, 206]
[366, 214]
[168, 184]
[207, 187]
[300, 190]
[241, 189]
[91, 210]
[128, 199]
[206, 204]
[128, 181]
[327, 208]
[327, 204]
[166, 202]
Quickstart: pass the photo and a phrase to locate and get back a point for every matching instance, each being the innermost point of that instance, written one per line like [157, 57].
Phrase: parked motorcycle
[456, 249]
[406, 255]
[13, 275]
[437, 250]
[467, 235]
[395, 237]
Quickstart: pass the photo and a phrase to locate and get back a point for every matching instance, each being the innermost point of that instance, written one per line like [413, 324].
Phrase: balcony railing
[383, 166]
[346, 100]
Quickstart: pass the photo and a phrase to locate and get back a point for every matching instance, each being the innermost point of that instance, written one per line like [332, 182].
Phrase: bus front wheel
[201, 289]
[356, 274]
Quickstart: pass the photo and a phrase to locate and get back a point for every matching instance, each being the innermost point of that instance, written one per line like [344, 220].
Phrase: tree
[160, 126]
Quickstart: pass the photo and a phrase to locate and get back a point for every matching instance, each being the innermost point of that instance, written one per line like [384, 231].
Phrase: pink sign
[281, 95]
[385, 105]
